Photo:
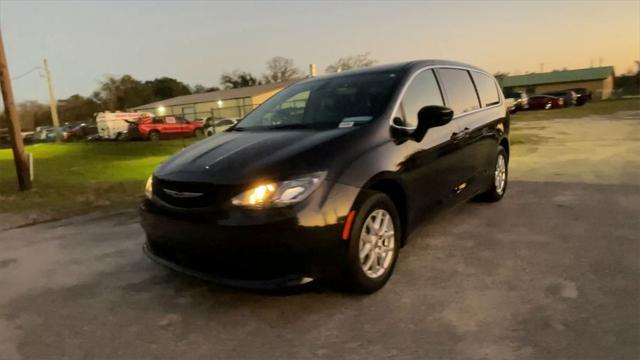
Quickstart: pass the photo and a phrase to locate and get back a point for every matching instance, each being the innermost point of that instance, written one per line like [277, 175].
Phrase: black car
[328, 177]
[78, 131]
[583, 95]
[569, 97]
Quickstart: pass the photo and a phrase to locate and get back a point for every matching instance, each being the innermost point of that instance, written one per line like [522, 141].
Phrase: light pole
[52, 102]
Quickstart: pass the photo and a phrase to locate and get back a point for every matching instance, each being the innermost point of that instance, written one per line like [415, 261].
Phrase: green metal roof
[597, 73]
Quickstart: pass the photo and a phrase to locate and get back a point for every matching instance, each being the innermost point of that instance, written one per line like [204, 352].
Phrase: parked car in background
[44, 134]
[569, 97]
[583, 95]
[5, 139]
[163, 127]
[545, 102]
[214, 126]
[79, 131]
[114, 125]
[27, 137]
[334, 188]
[520, 100]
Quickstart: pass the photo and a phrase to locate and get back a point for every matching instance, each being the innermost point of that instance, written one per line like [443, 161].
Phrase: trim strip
[410, 80]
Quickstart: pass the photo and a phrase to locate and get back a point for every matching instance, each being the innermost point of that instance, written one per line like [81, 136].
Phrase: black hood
[242, 157]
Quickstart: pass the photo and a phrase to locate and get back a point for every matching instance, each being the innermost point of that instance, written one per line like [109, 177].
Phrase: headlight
[280, 194]
[148, 189]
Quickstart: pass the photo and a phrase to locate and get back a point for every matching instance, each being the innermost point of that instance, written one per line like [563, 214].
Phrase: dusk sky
[196, 41]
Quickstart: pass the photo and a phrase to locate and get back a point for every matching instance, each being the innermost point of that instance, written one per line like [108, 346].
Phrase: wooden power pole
[15, 131]
[53, 105]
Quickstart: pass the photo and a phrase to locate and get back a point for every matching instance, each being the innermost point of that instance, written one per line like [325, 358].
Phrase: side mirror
[429, 117]
[434, 116]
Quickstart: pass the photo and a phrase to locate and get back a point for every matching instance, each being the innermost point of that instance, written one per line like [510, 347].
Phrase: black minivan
[329, 176]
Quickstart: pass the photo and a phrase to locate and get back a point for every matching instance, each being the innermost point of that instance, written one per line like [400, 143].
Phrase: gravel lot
[551, 272]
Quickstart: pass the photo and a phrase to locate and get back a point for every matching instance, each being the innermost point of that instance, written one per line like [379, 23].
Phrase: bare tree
[238, 79]
[351, 62]
[280, 69]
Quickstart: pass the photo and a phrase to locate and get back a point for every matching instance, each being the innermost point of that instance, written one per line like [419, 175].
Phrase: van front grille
[191, 195]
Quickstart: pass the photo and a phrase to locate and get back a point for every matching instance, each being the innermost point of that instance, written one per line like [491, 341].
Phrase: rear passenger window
[461, 94]
[423, 91]
[487, 89]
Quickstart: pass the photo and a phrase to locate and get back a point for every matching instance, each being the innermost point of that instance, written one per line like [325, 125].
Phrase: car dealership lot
[548, 273]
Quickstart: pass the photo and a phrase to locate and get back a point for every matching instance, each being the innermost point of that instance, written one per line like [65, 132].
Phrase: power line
[26, 73]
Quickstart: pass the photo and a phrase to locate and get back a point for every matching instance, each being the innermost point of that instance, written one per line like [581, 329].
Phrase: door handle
[458, 135]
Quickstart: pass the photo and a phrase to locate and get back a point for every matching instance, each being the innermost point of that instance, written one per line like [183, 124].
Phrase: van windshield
[343, 101]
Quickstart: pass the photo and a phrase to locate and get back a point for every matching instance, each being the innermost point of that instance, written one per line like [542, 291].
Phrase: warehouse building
[232, 103]
[599, 80]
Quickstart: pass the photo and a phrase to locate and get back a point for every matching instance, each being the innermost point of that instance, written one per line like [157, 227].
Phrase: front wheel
[499, 179]
[373, 245]
[154, 136]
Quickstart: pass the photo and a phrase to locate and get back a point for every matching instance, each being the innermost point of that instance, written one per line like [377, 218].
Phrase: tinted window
[487, 89]
[422, 91]
[460, 91]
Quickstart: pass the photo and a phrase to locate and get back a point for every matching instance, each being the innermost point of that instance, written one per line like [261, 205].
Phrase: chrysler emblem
[181, 194]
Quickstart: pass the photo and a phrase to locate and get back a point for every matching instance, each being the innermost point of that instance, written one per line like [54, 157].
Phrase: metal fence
[229, 112]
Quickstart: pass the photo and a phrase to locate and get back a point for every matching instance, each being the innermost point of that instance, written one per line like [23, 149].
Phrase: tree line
[124, 92]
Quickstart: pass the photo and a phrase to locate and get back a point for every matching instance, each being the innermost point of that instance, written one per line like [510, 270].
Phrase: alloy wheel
[377, 244]
[500, 175]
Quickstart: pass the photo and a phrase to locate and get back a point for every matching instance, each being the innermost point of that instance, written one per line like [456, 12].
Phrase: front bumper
[247, 247]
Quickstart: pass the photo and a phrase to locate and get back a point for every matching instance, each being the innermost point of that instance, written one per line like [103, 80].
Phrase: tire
[496, 192]
[210, 132]
[154, 136]
[198, 133]
[355, 277]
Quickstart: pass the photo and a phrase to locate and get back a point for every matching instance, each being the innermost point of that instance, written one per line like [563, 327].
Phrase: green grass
[590, 108]
[75, 178]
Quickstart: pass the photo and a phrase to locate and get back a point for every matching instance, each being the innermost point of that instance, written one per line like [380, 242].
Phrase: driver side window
[423, 91]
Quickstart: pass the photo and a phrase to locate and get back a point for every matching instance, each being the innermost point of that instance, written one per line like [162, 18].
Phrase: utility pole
[15, 132]
[52, 102]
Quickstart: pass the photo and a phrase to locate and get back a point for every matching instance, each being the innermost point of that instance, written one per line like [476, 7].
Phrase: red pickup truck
[157, 127]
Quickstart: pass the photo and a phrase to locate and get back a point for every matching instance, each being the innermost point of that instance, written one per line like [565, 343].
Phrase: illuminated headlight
[148, 189]
[280, 194]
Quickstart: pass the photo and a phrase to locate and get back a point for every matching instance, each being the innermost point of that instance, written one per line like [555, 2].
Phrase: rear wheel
[499, 179]
[373, 245]
[154, 136]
